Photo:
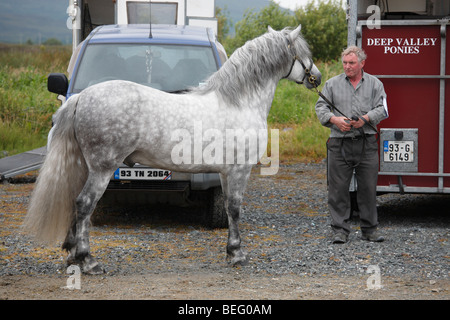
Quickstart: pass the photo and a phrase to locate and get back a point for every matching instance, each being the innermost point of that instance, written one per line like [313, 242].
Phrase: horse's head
[301, 69]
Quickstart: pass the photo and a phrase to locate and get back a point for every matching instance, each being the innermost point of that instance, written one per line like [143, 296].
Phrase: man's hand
[360, 122]
[343, 123]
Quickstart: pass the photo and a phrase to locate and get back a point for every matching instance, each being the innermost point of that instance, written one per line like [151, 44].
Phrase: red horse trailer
[408, 51]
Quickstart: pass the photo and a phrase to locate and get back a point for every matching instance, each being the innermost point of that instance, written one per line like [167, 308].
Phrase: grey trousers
[340, 173]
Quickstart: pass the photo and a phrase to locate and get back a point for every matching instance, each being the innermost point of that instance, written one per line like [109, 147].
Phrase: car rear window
[171, 68]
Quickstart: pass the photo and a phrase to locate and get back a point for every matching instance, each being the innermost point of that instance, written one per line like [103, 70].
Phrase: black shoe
[373, 237]
[340, 237]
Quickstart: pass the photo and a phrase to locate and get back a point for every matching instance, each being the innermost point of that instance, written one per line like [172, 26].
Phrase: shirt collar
[362, 78]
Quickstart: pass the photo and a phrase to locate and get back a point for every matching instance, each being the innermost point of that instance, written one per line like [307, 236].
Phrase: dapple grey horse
[118, 122]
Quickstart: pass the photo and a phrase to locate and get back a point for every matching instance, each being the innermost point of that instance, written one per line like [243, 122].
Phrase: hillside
[33, 20]
[39, 20]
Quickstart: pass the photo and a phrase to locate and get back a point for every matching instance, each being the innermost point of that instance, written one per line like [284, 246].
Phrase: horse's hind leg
[233, 186]
[77, 240]
[70, 242]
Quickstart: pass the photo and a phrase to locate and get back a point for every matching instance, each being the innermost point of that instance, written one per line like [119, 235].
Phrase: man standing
[353, 143]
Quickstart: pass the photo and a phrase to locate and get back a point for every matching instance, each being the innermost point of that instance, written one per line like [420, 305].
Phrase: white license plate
[398, 151]
[142, 174]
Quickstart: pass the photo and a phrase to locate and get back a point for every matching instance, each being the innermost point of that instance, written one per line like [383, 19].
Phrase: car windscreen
[171, 68]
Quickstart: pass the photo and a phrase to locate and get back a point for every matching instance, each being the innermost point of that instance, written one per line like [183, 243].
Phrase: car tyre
[215, 215]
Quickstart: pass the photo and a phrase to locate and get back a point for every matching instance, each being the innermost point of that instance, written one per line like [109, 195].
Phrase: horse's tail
[61, 178]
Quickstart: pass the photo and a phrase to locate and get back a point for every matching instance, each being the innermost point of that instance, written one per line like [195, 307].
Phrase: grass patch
[26, 107]
[304, 141]
[14, 139]
[293, 113]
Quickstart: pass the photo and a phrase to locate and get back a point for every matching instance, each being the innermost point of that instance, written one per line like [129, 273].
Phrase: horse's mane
[251, 65]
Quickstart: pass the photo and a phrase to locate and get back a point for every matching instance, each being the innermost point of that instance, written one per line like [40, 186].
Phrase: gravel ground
[162, 253]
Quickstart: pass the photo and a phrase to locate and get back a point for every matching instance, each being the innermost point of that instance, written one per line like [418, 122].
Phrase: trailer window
[170, 68]
[403, 9]
[161, 13]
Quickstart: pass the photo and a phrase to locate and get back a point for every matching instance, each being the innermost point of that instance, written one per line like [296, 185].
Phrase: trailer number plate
[398, 151]
[142, 174]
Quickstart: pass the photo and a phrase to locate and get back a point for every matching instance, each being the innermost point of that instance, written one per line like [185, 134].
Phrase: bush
[324, 28]
[255, 24]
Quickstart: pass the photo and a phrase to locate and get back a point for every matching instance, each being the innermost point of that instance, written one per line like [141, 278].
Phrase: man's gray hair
[359, 52]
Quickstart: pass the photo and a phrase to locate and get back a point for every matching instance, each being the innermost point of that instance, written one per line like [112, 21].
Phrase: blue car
[171, 58]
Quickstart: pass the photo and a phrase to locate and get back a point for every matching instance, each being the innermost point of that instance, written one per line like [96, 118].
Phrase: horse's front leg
[234, 250]
[233, 187]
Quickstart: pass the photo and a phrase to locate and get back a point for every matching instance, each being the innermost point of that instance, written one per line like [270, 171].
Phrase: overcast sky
[295, 4]
[291, 4]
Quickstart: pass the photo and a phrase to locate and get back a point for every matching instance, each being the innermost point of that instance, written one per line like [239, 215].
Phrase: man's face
[352, 66]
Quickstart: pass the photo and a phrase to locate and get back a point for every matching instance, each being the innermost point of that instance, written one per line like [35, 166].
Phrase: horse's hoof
[239, 262]
[91, 266]
[238, 259]
[96, 270]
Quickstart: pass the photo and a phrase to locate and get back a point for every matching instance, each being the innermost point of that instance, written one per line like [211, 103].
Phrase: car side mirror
[57, 83]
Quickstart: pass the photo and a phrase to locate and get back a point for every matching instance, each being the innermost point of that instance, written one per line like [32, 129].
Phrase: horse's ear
[294, 33]
[270, 29]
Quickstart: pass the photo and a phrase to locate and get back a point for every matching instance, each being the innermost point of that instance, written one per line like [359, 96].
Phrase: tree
[223, 24]
[324, 28]
[52, 42]
[255, 24]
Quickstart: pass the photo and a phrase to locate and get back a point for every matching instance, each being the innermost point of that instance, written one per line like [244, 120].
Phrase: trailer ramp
[22, 163]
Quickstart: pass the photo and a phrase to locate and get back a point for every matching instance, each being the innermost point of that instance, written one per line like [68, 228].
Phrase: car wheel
[215, 213]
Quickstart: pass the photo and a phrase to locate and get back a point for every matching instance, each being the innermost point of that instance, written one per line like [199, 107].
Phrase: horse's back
[120, 117]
